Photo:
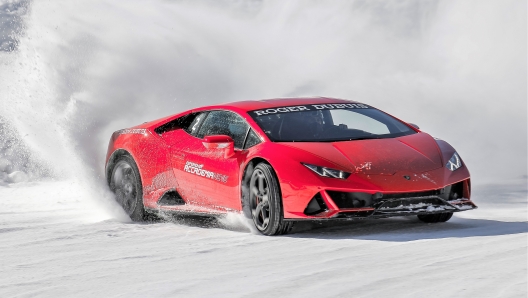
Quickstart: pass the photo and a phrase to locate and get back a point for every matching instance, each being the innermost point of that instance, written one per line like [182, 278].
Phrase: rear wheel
[125, 182]
[433, 218]
[265, 202]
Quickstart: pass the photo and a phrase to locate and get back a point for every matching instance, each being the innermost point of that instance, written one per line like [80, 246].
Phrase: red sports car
[284, 160]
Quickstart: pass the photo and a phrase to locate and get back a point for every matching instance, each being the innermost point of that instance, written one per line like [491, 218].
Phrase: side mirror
[415, 126]
[220, 142]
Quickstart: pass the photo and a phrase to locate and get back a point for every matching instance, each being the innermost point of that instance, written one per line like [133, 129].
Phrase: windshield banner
[292, 109]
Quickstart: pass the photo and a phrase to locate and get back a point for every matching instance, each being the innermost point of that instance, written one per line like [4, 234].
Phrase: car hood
[415, 153]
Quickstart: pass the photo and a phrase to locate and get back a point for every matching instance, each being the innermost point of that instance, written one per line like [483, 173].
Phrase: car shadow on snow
[397, 229]
[404, 229]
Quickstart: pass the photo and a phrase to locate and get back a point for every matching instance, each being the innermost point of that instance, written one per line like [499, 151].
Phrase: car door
[207, 177]
[178, 135]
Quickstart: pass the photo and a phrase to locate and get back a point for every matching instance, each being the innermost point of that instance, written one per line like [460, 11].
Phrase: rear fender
[151, 155]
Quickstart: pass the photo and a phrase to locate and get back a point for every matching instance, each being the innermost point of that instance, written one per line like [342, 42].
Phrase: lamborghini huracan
[280, 161]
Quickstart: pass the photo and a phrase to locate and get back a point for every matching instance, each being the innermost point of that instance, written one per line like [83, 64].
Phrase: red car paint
[169, 162]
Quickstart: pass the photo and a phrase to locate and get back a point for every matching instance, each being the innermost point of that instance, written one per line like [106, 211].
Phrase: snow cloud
[84, 69]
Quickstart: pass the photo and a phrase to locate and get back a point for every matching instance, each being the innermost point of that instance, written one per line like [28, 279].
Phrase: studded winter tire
[433, 218]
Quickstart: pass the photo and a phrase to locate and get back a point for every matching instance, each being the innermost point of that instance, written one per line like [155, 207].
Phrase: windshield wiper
[331, 140]
[364, 138]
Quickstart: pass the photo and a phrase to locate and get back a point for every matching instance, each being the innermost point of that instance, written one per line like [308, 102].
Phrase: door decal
[198, 170]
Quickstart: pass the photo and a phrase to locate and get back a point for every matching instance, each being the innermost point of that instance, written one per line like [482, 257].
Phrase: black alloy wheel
[265, 202]
[125, 182]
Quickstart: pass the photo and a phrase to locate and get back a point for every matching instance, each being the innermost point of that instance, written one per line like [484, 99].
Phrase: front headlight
[327, 172]
[454, 163]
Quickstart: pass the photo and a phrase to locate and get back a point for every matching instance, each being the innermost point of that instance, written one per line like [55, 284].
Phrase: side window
[225, 123]
[193, 127]
[252, 139]
[182, 122]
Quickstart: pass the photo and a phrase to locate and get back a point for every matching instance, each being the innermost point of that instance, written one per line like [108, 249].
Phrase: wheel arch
[279, 227]
[244, 181]
[112, 161]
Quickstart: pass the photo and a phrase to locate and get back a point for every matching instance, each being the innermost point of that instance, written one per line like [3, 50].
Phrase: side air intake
[171, 198]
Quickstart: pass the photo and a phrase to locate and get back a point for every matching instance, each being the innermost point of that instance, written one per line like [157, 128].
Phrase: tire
[263, 202]
[125, 182]
[433, 218]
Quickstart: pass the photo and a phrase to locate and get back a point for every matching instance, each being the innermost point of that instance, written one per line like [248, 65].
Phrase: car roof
[250, 105]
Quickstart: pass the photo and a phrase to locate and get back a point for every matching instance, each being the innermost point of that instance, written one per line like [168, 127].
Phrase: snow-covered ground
[53, 243]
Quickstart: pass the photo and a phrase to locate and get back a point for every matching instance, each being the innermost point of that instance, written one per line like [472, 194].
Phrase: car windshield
[328, 123]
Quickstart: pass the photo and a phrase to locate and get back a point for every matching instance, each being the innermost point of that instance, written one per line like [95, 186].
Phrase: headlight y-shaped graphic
[454, 162]
[327, 172]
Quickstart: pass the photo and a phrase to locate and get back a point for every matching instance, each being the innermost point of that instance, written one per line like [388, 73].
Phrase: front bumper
[329, 204]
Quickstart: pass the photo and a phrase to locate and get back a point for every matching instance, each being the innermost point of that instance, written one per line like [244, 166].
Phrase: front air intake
[316, 205]
[345, 200]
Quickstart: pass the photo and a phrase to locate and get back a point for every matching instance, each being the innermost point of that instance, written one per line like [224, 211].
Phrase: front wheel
[265, 202]
[125, 182]
[433, 218]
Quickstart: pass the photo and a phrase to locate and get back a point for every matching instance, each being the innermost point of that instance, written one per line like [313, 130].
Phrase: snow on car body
[284, 160]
